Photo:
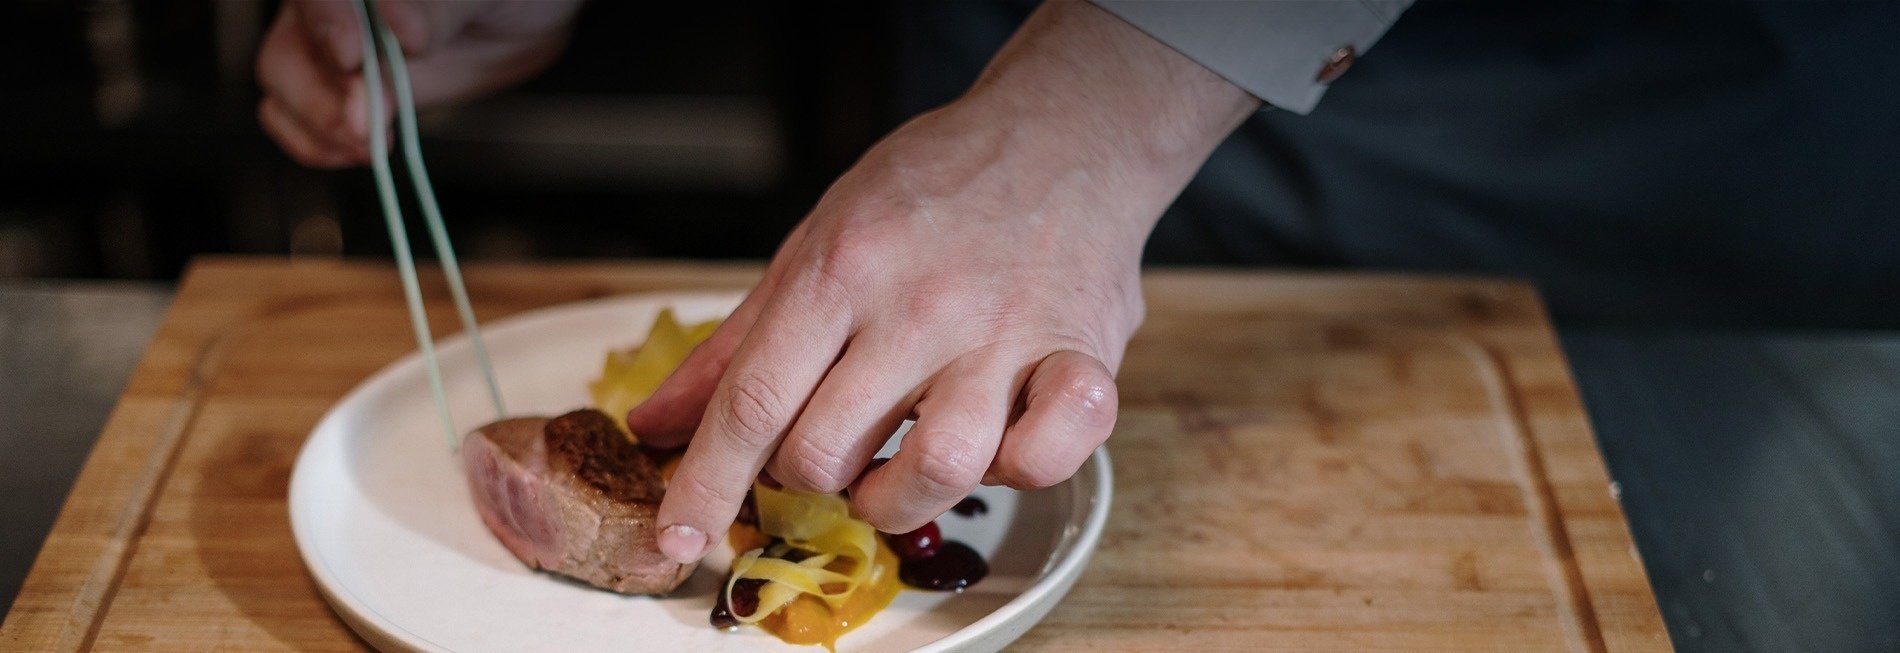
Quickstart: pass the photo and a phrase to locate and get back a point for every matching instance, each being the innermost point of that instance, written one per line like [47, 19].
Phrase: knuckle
[754, 409]
[947, 466]
[853, 254]
[1089, 398]
[710, 497]
[811, 467]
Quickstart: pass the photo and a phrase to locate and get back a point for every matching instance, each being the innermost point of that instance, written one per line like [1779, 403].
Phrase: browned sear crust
[589, 444]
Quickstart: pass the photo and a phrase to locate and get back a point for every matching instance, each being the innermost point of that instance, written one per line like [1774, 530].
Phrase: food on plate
[577, 496]
[971, 507]
[823, 571]
[630, 375]
[573, 496]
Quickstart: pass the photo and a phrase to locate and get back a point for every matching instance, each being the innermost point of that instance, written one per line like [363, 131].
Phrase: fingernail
[684, 544]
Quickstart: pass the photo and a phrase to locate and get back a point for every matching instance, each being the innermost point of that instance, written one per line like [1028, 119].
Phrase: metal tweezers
[377, 36]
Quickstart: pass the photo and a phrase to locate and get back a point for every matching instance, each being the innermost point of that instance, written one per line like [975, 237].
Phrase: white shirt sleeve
[1274, 49]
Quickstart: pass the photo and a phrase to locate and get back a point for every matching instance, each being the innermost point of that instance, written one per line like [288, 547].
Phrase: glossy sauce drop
[954, 567]
[971, 507]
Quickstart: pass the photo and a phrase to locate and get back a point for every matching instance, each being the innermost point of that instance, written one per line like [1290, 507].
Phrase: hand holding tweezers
[377, 36]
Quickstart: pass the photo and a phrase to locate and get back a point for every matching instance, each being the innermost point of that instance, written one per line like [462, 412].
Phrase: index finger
[772, 375]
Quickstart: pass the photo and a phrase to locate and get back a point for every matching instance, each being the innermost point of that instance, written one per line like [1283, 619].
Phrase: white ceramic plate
[384, 522]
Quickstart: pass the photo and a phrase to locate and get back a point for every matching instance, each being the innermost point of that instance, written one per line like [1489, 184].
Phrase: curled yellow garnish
[631, 375]
[842, 573]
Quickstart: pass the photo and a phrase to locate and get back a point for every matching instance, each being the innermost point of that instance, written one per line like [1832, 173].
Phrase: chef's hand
[311, 64]
[978, 268]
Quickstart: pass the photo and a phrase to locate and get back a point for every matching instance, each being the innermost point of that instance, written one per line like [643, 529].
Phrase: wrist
[1112, 83]
[1098, 94]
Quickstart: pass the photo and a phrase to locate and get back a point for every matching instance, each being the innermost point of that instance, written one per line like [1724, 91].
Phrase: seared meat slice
[572, 496]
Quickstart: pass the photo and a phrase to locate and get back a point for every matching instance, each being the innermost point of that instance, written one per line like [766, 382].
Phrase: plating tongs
[377, 38]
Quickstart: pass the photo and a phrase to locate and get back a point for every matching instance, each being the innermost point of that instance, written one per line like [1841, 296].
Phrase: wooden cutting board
[1302, 463]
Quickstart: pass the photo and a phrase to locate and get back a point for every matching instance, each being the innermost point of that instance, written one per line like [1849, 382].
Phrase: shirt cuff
[1281, 51]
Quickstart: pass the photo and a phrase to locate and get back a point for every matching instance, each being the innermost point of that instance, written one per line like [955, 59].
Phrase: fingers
[1070, 407]
[771, 377]
[861, 402]
[668, 418]
[296, 141]
[306, 99]
[959, 423]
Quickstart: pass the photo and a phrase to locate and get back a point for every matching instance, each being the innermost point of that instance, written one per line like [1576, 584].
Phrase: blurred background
[1647, 163]
[667, 129]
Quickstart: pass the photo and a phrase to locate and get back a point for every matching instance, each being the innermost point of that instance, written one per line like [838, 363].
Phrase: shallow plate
[384, 522]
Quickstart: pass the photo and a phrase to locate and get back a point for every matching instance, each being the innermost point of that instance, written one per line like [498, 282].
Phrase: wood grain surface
[1302, 463]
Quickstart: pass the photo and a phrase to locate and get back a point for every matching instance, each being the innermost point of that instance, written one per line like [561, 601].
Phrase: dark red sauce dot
[745, 596]
[743, 602]
[954, 567]
[722, 614]
[971, 507]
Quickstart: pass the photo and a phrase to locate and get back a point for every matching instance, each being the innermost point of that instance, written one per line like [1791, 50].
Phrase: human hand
[979, 268]
[311, 64]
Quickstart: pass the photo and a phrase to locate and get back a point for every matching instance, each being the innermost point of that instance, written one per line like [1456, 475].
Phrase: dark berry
[745, 600]
[918, 544]
[745, 596]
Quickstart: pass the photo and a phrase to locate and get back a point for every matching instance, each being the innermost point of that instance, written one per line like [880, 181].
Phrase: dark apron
[1708, 163]
[1714, 163]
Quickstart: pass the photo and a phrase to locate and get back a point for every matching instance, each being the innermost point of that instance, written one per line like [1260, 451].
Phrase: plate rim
[1071, 558]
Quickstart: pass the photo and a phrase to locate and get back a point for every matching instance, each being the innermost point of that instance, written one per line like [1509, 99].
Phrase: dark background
[666, 129]
[1714, 163]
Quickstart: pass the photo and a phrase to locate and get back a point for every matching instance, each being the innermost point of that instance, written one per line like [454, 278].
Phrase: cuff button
[1336, 65]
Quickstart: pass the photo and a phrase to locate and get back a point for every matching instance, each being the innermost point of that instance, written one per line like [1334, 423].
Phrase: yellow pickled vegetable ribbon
[629, 376]
[844, 548]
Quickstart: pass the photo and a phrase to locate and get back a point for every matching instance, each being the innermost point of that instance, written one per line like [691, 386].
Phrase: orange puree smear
[808, 620]
[746, 537]
[667, 468]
